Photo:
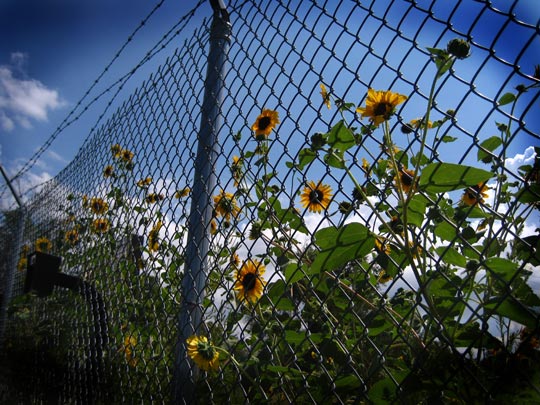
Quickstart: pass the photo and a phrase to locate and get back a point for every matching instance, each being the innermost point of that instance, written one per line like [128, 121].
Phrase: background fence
[350, 259]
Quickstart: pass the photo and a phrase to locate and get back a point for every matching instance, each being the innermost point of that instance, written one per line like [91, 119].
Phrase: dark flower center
[316, 196]
[382, 109]
[264, 122]
[406, 178]
[249, 281]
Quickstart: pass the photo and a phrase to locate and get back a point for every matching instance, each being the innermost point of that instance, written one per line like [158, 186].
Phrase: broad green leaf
[341, 245]
[504, 268]
[490, 145]
[305, 157]
[451, 256]
[350, 382]
[442, 177]
[378, 325]
[284, 370]
[512, 309]
[470, 335]
[416, 210]
[297, 338]
[506, 98]
[335, 159]
[529, 194]
[294, 272]
[446, 231]
[276, 296]
[528, 249]
[341, 137]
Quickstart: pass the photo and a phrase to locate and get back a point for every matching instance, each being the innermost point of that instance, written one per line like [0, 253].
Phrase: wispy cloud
[22, 99]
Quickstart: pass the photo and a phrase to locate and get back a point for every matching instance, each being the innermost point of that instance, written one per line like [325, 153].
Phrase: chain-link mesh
[363, 247]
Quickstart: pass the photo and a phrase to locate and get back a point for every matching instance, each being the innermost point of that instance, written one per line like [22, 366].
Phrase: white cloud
[520, 159]
[21, 99]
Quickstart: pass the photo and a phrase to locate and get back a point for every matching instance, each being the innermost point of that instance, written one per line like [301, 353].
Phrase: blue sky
[51, 52]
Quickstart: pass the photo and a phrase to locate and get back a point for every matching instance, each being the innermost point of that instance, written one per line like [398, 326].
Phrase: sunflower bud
[317, 141]
[459, 48]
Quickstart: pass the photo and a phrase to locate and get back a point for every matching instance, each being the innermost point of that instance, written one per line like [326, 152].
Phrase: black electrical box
[41, 273]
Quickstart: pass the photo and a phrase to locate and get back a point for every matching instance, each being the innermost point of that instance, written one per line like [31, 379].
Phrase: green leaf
[293, 272]
[335, 159]
[451, 256]
[276, 295]
[416, 210]
[529, 194]
[506, 98]
[341, 245]
[283, 369]
[442, 177]
[305, 157]
[470, 335]
[378, 325]
[297, 338]
[504, 268]
[490, 145]
[448, 138]
[512, 309]
[341, 137]
[446, 231]
[349, 382]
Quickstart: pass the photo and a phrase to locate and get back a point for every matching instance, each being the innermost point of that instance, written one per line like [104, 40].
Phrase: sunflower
[154, 197]
[202, 352]
[419, 123]
[182, 193]
[235, 260]
[381, 246]
[249, 285]
[405, 178]
[126, 155]
[316, 197]
[23, 262]
[213, 227]
[380, 105]
[226, 205]
[384, 277]
[108, 171]
[129, 345]
[144, 182]
[236, 170]
[84, 201]
[116, 150]
[43, 245]
[265, 123]
[153, 240]
[72, 237]
[101, 225]
[98, 205]
[366, 166]
[325, 96]
[475, 194]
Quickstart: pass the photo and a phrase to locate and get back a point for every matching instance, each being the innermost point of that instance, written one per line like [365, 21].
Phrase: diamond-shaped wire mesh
[350, 260]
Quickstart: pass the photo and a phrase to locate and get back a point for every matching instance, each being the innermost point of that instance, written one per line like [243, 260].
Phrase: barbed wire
[157, 48]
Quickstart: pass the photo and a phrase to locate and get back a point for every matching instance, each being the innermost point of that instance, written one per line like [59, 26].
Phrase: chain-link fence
[343, 208]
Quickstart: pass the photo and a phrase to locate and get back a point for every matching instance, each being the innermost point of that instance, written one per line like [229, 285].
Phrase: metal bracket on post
[195, 274]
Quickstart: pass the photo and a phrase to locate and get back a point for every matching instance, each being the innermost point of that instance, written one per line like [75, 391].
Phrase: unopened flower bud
[459, 48]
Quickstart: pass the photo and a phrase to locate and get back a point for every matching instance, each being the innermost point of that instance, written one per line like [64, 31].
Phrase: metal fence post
[195, 273]
[12, 264]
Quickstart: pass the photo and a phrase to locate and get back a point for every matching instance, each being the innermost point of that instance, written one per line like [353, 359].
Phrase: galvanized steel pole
[14, 256]
[195, 269]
